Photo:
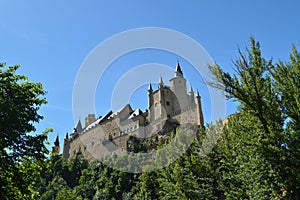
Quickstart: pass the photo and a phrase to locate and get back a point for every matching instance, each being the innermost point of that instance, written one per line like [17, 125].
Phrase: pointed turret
[191, 90]
[78, 127]
[150, 102]
[178, 87]
[56, 143]
[161, 82]
[198, 94]
[66, 149]
[199, 110]
[178, 71]
[192, 97]
[56, 147]
[150, 88]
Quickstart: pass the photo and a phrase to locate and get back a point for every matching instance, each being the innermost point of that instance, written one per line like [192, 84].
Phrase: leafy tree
[257, 163]
[148, 186]
[65, 194]
[287, 86]
[194, 175]
[20, 101]
[56, 185]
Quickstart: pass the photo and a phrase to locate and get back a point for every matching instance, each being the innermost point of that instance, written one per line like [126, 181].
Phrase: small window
[168, 103]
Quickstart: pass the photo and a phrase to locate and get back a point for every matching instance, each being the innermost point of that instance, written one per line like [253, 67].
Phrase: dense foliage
[253, 154]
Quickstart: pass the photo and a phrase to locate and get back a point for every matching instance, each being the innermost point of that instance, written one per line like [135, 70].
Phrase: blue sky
[51, 39]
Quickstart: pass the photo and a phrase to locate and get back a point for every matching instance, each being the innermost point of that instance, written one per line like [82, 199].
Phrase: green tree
[194, 175]
[257, 164]
[287, 85]
[65, 194]
[20, 101]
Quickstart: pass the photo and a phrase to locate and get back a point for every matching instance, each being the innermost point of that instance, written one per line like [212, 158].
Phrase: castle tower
[150, 103]
[56, 147]
[89, 119]
[178, 87]
[66, 147]
[192, 97]
[199, 111]
[161, 104]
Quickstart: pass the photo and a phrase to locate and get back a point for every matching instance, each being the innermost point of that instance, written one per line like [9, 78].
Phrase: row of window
[128, 130]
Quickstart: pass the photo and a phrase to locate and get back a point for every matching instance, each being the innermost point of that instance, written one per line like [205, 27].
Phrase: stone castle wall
[112, 133]
[92, 143]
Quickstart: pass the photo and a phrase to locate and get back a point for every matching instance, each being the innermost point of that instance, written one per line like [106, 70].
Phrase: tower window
[168, 103]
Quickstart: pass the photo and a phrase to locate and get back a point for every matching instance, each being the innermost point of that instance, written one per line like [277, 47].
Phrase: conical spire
[67, 136]
[178, 71]
[161, 82]
[198, 95]
[191, 90]
[56, 143]
[78, 127]
[150, 87]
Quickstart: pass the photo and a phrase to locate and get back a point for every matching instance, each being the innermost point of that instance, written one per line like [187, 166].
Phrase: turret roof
[178, 69]
[56, 143]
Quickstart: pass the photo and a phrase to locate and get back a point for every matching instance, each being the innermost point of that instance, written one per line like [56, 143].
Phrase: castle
[110, 133]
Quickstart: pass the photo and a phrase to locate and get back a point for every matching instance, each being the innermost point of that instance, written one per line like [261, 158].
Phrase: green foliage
[194, 174]
[260, 145]
[21, 152]
[65, 194]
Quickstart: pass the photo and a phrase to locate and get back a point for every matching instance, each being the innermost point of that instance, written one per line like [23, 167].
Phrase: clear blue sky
[51, 39]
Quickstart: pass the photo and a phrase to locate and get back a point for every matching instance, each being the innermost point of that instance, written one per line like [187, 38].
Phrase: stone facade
[110, 133]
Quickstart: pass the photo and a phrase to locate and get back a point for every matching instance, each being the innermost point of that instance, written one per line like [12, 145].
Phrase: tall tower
[89, 119]
[178, 87]
[192, 98]
[161, 104]
[199, 111]
[56, 147]
[66, 149]
[150, 103]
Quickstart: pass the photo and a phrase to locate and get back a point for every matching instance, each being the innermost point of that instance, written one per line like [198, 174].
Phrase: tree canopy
[21, 151]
